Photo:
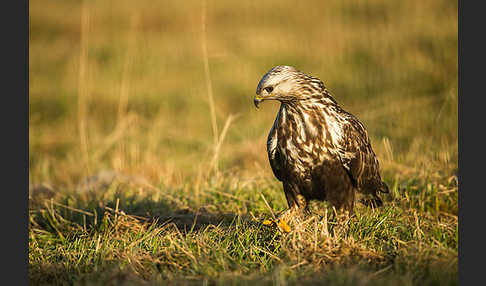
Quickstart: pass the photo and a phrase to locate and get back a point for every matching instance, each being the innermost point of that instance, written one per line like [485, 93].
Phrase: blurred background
[164, 89]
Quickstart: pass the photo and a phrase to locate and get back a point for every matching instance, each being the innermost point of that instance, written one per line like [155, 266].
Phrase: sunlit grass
[147, 121]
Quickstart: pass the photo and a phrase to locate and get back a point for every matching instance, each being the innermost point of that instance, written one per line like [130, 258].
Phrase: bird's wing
[357, 156]
[274, 155]
[353, 148]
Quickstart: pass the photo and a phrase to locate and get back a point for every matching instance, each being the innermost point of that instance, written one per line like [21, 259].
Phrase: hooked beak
[257, 100]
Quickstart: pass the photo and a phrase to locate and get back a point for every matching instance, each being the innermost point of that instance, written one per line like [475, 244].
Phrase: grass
[147, 159]
[161, 234]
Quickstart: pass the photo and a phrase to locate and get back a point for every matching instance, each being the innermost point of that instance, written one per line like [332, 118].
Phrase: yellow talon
[281, 224]
[268, 222]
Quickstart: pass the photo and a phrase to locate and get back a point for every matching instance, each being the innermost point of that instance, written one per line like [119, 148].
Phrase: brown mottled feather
[318, 150]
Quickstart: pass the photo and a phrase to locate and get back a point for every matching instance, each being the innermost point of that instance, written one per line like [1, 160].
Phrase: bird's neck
[307, 104]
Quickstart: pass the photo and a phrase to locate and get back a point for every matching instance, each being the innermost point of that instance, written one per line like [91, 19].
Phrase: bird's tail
[372, 199]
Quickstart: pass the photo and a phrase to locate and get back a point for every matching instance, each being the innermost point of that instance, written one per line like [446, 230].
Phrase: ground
[132, 181]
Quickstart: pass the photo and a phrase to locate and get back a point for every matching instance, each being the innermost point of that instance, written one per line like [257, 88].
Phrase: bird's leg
[342, 210]
[343, 205]
[297, 206]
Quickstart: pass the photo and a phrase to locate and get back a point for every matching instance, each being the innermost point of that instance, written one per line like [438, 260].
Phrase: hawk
[315, 148]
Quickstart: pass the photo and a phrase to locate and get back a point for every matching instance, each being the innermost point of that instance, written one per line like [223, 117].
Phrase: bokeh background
[159, 94]
[125, 86]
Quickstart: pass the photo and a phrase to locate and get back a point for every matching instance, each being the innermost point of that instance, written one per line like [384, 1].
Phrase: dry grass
[161, 94]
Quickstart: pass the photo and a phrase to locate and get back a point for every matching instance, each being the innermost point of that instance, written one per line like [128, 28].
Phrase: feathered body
[318, 150]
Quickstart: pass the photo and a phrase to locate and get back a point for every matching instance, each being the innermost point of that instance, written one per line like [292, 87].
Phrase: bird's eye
[269, 89]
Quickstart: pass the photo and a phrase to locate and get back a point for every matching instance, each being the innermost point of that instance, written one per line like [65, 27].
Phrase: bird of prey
[315, 148]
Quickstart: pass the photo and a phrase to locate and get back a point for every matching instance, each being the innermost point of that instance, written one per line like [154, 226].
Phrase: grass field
[147, 158]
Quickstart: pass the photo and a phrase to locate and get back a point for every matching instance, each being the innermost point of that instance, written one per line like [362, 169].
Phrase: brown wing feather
[358, 158]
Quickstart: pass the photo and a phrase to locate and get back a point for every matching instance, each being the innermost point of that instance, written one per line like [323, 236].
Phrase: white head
[286, 83]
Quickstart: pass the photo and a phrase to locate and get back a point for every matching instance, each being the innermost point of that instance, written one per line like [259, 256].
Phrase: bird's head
[286, 84]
